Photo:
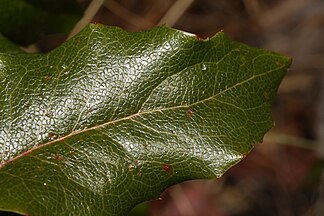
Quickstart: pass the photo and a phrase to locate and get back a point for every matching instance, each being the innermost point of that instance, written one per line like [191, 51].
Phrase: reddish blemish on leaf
[189, 113]
[167, 168]
[59, 158]
[136, 162]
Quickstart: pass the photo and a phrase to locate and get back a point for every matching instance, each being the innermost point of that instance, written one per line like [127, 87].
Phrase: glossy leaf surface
[112, 118]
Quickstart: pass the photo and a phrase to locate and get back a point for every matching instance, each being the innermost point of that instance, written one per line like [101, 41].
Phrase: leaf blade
[118, 113]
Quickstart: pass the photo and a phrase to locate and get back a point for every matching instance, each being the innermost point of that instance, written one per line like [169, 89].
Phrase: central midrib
[74, 133]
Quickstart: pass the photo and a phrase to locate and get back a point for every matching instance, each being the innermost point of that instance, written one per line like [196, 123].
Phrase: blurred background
[284, 175]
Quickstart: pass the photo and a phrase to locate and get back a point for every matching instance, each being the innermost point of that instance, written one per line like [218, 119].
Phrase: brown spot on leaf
[136, 162]
[48, 114]
[59, 158]
[129, 167]
[189, 113]
[52, 135]
[47, 78]
[167, 168]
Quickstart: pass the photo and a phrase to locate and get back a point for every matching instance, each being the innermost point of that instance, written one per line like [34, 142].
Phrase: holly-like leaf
[25, 21]
[112, 118]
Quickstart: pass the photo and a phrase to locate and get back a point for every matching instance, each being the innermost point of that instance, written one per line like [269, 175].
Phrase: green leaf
[25, 21]
[112, 118]
[7, 46]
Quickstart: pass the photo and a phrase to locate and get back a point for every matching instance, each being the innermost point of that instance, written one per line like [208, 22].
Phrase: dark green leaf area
[8, 47]
[25, 21]
[112, 118]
